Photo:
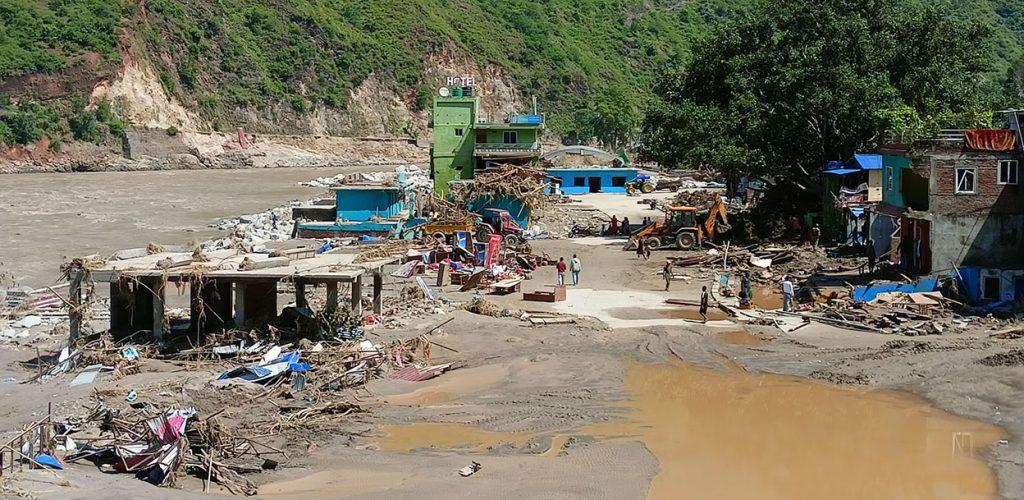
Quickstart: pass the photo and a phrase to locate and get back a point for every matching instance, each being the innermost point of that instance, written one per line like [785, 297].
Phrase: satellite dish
[444, 92]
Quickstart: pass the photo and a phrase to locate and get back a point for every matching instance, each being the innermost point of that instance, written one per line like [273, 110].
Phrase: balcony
[506, 150]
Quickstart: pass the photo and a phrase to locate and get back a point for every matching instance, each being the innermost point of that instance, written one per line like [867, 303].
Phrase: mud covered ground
[642, 403]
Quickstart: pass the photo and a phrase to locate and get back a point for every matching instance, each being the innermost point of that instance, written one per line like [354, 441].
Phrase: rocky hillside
[84, 69]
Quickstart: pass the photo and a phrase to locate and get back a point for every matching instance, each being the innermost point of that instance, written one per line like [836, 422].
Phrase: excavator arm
[718, 210]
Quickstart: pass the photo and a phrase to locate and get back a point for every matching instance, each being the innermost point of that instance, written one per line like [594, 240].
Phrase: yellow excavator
[680, 228]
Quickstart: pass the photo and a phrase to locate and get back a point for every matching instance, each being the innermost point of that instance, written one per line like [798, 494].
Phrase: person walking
[815, 236]
[872, 256]
[561, 266]
[787, 294]
[647, 252]
[666, 272]
[575, 266]
[641, 248]
[704, 303]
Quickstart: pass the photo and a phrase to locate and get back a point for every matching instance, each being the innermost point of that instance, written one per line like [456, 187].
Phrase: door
[595, 184]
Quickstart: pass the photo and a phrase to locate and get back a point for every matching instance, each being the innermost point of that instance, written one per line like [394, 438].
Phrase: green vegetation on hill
[590, 62]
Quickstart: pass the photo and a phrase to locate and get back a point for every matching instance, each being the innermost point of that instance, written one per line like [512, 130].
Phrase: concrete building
[956, 205]
[592, 180]
[229, 289]
[463, 143]
[362, 209]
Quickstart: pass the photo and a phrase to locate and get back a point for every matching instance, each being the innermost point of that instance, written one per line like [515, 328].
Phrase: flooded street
[46, 217]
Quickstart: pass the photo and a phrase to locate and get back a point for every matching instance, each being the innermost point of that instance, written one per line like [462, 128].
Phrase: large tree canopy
[795, 83]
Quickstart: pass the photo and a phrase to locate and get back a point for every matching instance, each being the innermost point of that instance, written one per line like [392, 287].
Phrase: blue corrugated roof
[868, 162]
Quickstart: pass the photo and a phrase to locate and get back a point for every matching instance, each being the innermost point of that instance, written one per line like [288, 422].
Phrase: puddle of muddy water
[691, 313]
[738, 435]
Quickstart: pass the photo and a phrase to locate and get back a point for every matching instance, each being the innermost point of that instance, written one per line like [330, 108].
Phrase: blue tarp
[868, 162]
[856, 212]
[869, 293]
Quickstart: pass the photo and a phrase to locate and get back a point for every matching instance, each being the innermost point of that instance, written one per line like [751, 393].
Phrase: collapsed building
[947, 205]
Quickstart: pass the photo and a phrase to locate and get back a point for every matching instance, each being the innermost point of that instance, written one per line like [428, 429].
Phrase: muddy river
[732, 434]
[45, 217]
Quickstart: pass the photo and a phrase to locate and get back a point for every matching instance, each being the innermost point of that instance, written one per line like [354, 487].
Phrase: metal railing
[500, 146]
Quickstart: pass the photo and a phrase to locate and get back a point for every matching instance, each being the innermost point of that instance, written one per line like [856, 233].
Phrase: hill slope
[344, 67]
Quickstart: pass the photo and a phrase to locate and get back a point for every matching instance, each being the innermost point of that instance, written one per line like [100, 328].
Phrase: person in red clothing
[561, 270]
[613, 226]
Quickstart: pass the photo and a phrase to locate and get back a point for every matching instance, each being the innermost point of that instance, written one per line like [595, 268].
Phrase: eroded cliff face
[378, 107]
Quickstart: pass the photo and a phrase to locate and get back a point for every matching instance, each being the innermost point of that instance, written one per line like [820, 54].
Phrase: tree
[613, 118]
[795, 83]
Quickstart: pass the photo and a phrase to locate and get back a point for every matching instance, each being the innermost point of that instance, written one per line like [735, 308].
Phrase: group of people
[623, 227]
[574, 266]
[616, 228]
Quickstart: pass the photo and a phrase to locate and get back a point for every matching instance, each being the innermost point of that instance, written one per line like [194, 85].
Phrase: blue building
[593, 180]
[376, 210]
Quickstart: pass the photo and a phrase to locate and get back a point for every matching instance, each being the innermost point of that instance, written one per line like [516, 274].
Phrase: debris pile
[411, 176]
[252, 230]
[523, 183]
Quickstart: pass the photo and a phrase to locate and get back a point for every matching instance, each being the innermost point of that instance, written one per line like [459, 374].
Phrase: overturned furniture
[556, 295]
[227, 288]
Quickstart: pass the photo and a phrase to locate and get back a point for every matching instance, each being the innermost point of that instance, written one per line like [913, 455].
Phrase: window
[458, 132]
[1008, 172]
[579, 181]
[990, 287]
[618, 181]
[511, 138]
[888, 178]
[965, 180]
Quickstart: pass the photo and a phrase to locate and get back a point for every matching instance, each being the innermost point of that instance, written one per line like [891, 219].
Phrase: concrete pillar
[300, 293]
[332, 296]
[357, 295]
[239, 304]
[217, 298]
[378, 291]
[158, 309]
[75, 311]
[196, 307]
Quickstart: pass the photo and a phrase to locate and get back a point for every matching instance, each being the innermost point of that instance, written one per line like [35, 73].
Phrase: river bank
[48, 218]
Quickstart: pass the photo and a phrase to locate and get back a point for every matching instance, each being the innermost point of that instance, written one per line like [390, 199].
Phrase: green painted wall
[524, 136]
[451, 156]
[893, 165]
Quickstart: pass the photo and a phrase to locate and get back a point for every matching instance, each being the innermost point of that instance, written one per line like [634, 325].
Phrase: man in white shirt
[787, 294]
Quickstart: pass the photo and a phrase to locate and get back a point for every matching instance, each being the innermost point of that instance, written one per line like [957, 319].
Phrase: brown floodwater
[46, 217]
[732, 434]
